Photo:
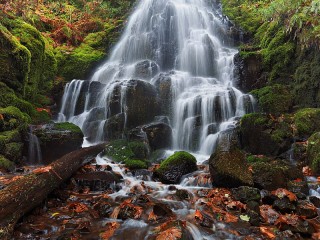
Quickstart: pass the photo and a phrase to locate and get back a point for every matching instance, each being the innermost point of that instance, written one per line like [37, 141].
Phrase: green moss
[121, 150]
[176, 159]
[41, 117]
[275, 99]
[313, 152]
[255, 119]
[14, 118]
[8, 137]
[6, 164]
[135, 164]
[255, 158]
[13, 151]
[307, 121]
[66, 126]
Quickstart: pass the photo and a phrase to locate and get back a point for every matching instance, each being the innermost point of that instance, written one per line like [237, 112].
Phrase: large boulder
[307, 121]
[146, 69]
[137, 98]
[58, 139]
[173, 168]
[273, 174]
[260, 134]
[229, 169]
[228, 166]
[163, 84]
[159, 135]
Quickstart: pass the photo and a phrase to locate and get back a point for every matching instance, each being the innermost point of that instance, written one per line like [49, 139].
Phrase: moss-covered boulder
[229, 169]
[122, 150]
[174, 167]
[12, 118]
[58, 139]
[313, 152]
[261, 134]
[307, 121]
[273, 174]
[275, 99]
[7, 137]
[6, 164]
[133, 164]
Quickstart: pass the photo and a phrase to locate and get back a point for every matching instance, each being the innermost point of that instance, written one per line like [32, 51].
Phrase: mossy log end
[26, 193]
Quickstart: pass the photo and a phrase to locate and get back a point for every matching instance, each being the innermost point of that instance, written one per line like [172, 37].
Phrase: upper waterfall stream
[178, 50]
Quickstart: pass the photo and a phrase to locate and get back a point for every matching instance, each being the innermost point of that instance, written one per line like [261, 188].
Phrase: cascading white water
[34, 149]
[185, 40]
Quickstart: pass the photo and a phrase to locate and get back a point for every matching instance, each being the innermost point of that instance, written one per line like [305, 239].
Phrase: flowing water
[185, 40]
[186, 44]
[34, 149]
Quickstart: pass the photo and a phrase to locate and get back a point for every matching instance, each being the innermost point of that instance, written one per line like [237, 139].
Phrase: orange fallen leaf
[78, 207]
[281, 193]
[152, 217]
[42, 170]
[111, 227]
[268, 232]
[198, 215]
[170, 234]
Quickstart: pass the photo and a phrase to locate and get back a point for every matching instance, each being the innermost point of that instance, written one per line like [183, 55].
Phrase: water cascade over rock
[175, 59]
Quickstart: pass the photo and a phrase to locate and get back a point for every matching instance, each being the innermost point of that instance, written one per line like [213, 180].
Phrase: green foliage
[6, 164]
[176, 159]
[313, 152]
[307, 121]
[135, 164]
[13, 151]
[8, 137]
[275, 99]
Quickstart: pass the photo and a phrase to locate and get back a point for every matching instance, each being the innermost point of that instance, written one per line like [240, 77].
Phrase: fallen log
[24, 194]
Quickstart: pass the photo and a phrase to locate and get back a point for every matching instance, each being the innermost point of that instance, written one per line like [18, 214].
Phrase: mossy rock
[256, 158]
[66, 126]
[6, 164]
[229, 169]
[307, 121]
[13, 151]
[272, 175]
[313, 152]
[8, 137]
[133, 164]
[174, 167]
[122, 150]
[275, 99]
[261, 134]
[13, 118]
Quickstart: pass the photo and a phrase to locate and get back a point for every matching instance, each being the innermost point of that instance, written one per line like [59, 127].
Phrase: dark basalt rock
[97, 181]
[284, 205]
[159, 135]
[246, 194]
[307, 209]
[273, 175]
[249, 71]
[261, 135]
[114, 126]
[58, 139]
[146, 69]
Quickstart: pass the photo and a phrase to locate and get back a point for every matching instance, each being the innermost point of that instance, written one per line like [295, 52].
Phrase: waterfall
[34, 149]
[183, 42]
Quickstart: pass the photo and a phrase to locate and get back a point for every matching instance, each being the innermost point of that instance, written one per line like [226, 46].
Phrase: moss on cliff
[307, 121]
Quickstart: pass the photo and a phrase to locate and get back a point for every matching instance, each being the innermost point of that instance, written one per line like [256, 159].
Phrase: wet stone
[246, 194]
[284, 205]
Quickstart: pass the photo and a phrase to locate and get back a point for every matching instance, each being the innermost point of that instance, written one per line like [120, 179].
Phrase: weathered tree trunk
[26, 193]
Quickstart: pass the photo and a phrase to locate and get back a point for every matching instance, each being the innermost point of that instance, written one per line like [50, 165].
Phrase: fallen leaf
[268, 232]
[245, 218]
[152, 216]
[268, 214]
[78, 207]
[111, 227]
[198, 215]
[281, 193]
[170, 234]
